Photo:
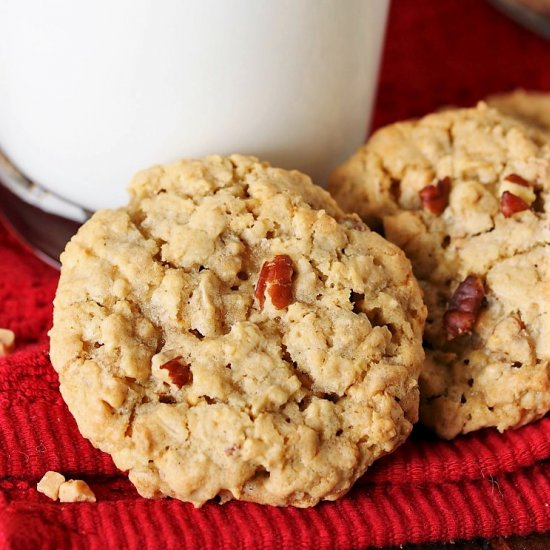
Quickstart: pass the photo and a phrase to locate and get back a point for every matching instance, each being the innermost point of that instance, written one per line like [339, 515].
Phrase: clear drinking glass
[91, 92]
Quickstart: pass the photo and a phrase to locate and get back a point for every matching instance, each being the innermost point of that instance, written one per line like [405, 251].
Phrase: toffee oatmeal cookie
[232, 333]
[466, 194]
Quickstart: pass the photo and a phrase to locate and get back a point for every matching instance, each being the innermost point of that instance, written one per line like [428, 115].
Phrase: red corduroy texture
[481, 485]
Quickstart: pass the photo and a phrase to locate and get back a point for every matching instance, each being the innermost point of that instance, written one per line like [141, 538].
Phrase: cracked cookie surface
[530, 107]
[487, 361]
[232, 333]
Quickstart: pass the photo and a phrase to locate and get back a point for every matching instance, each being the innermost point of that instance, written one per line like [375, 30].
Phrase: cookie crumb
[7, 341]
[76, 490]
[50, 483]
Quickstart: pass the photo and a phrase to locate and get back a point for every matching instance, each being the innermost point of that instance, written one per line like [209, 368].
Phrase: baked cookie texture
[531, 107]
[441, 187]
[232, 333]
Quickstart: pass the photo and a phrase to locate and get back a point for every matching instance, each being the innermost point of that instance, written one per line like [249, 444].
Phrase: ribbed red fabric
[483, 484]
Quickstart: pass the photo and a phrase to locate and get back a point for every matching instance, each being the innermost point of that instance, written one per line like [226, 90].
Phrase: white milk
[91, 91]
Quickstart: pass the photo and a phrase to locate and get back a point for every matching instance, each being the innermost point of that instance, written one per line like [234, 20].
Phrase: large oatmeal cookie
[232, 333]
[466, 194]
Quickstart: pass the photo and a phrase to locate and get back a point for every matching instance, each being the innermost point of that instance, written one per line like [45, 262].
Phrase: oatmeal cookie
[232, 333]
[528, 106]
[466, 194]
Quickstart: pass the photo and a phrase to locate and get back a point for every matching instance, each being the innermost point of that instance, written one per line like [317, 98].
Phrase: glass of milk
[91, 92]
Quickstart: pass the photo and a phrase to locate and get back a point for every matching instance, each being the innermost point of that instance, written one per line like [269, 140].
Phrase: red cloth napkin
[484, 484]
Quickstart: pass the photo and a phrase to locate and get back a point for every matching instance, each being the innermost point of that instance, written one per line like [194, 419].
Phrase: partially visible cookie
[232, 333]
[529, 107]
[541, 7]
[466, 194]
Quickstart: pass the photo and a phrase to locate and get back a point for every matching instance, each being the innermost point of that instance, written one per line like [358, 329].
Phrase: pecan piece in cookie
[180, 373]
[517, 179]
[276, 278]
[510, 204]
[463, 307]
[434, 198]
[516, 195]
